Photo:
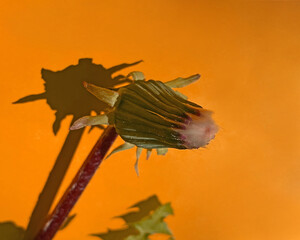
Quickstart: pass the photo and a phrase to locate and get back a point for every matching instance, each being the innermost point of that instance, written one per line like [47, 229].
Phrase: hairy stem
[77, 186]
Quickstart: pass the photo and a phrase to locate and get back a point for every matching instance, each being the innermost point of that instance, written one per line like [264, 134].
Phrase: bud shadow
[65, 94]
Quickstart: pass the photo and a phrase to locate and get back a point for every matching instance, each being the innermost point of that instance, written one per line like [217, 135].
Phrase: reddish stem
[79, 183]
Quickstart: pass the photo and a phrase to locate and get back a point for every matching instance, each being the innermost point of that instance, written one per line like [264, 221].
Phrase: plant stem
[77, 186]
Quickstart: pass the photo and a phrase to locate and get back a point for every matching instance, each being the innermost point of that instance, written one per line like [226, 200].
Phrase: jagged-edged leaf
[119, 234]
[140, 225]
[144, 208]
[137, 237]
[154, 223]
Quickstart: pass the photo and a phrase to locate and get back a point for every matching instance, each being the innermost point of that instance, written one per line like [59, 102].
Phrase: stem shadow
[65, 94]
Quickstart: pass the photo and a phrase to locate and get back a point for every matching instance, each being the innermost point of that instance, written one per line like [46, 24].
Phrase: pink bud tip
[200, 130]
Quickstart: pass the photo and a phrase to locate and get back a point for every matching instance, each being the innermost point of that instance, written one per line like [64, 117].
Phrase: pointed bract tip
[136, 168]
[197, 76]
[79, 123]
[149, 151]
[75, 127]
[85, 84]
[103, 94]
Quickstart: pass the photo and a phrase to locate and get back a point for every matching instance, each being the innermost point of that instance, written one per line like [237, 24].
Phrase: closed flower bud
[151, 115]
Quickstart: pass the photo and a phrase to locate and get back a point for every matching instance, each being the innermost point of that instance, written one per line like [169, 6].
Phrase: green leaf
[154, 223]
[118, 234]
[137, 237]
[10, 231]
[148, 220]
[145, 207]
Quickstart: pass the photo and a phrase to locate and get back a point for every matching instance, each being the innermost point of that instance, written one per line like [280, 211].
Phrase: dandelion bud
[149, 114]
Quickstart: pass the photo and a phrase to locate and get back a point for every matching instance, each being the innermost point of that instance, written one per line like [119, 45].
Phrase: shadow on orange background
[244, 185]
[65, 94]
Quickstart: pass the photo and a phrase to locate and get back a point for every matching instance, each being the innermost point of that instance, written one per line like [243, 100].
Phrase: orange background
[243, 186]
